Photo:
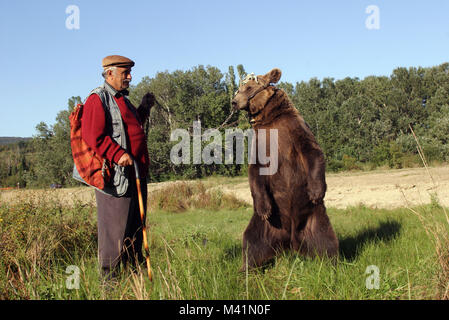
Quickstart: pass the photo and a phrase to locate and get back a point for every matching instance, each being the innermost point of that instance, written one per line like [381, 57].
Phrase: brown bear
[289, 211]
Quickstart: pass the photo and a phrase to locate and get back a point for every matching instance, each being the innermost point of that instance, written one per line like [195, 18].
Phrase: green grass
[196, 254]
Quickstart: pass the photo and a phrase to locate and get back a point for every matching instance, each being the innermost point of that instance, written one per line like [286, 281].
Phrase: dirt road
[375, 189]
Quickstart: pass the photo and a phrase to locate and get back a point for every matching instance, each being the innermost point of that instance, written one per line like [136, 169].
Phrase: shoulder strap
[108, 103]
[100, 92]
[112, 112]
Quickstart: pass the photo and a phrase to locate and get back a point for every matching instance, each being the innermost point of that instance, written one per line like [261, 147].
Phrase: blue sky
[46, 63]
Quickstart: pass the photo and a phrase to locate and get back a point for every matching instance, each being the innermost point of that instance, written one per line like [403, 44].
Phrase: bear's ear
[274, 75]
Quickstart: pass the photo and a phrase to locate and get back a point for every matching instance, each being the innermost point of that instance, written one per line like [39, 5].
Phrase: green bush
[335, 165]
[350, 163]
[396, 156]
[381, 154]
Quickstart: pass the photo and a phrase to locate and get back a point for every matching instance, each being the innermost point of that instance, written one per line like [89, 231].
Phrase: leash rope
[224, 124]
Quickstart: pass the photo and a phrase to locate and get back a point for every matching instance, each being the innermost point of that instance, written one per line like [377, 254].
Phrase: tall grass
[37, 236]
[196, 254]
[436, 230]
[182, 196]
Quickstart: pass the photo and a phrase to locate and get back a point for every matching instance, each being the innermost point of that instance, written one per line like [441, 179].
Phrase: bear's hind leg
[260, 242]
[318, 236]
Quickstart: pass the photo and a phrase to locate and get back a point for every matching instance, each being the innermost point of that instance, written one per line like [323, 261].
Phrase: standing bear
[289, 211]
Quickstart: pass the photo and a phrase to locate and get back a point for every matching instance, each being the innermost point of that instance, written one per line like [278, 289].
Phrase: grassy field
[195, 244]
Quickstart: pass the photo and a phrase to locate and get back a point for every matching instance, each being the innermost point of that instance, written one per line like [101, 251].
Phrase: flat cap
[117, 61]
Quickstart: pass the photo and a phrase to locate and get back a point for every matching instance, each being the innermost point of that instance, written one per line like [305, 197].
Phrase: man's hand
[125, 160]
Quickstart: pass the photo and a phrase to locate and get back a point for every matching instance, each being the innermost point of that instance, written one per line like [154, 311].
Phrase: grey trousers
[120, 228]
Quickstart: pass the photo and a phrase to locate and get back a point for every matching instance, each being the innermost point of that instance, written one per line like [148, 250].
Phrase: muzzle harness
[249, 77]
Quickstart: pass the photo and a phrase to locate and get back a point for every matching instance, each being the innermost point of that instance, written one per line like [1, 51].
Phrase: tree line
[360, 124]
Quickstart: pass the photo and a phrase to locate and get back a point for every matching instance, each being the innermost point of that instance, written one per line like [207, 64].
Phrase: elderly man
[113, 128]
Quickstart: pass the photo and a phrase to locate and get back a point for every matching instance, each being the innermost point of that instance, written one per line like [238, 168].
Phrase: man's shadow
[351, 246]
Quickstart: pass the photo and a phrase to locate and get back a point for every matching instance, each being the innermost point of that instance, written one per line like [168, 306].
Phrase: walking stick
[142, 217]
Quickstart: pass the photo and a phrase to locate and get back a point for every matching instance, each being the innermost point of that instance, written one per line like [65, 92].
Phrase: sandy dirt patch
[378, 189]
[374, 189]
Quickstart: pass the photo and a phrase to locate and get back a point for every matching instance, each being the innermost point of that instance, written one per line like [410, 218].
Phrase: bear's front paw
[315, 193]
[265, 216]
[263, 211]
[148, 100]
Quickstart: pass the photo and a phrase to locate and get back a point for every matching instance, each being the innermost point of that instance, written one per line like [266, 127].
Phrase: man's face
[119, 79]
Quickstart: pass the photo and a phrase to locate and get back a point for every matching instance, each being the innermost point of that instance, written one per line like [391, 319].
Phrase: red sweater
[93, 130]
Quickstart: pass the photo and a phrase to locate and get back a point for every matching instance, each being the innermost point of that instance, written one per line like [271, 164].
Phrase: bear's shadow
[351, 246]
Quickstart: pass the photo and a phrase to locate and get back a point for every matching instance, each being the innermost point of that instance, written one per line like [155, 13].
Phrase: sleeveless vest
[115, 129]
